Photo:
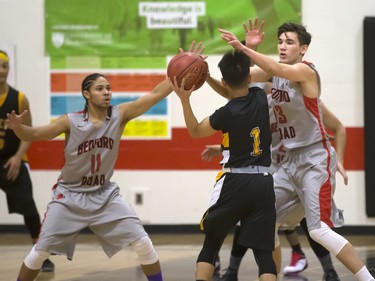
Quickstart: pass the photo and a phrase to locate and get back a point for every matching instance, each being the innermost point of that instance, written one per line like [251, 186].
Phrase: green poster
[131, 33]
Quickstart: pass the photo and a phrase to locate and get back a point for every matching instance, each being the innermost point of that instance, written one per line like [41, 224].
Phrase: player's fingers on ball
[192, 46]
[182, 83]
[175, 81]
[200, 48]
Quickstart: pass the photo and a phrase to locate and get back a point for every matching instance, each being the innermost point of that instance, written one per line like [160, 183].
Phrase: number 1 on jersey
[255, 133]
[95, 163]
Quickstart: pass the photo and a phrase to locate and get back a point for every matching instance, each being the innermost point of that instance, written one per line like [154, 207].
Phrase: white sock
[364, 275]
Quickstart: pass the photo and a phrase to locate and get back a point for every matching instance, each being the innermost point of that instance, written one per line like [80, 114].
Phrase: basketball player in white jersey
[84, 195]
[310, 166]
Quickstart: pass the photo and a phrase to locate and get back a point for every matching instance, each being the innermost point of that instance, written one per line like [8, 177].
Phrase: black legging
[263, 258]
[265, 262]
[318, 249]
[237, 249]
[210, 249]
[33, 225]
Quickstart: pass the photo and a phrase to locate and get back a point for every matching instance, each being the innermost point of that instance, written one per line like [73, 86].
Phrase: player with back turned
[244, 190]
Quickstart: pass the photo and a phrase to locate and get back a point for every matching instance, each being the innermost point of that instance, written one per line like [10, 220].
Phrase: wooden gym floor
[177, 253]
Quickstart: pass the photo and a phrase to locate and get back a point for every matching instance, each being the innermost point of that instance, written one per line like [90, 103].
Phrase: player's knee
[210, 249]
[329, 239]
[145, 250]
[35, 259]
[277, 240]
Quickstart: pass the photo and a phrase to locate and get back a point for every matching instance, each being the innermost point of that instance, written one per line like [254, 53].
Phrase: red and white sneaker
[297, 264]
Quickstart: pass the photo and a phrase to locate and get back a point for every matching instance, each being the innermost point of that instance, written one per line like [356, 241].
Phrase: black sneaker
[331, 275]
[230, 275]
[47, 266]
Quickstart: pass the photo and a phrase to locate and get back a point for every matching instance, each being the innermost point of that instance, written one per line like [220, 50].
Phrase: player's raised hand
[231, 39]
[198, 49]
[14, 120]
[254, 33]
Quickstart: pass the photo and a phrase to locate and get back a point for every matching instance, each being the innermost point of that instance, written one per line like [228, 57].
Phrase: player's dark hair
[89, 80]
[304, 37]
[235, 68]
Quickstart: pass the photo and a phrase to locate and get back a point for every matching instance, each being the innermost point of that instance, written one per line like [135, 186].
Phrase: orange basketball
[190, 66]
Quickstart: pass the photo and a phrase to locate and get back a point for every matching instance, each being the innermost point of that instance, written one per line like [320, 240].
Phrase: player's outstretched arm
[196, 129]
[131, 110]
[14, 162]
[138, 107]
[28, 133]
[298, 72]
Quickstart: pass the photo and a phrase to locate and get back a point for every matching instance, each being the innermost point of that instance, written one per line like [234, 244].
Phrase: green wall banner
[144, 33]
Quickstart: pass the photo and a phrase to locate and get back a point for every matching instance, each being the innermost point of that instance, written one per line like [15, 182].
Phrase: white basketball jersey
[299, 118]
[91, 152]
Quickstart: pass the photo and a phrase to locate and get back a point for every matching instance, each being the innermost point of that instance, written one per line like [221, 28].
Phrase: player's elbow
[197, 133]
[194, 135]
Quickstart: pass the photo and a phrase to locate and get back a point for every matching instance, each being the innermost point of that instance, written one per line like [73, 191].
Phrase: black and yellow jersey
[9, 142]
[245, 124]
